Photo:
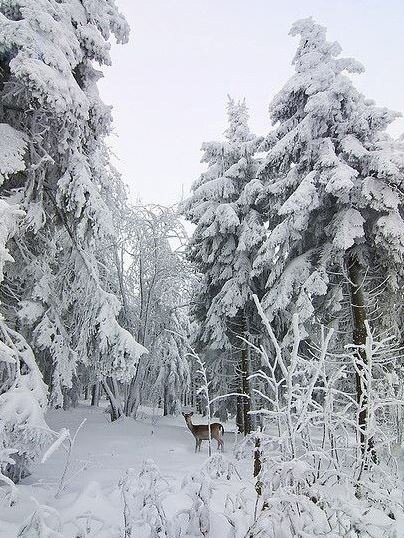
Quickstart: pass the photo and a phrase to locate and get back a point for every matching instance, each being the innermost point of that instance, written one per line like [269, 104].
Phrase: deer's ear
[191, 413]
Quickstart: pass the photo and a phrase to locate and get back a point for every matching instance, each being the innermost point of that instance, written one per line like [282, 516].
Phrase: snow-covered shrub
[195, 520]
[22, 405]
[44, 522]
[236, 511]
[314, 478]
[65, 440]
[217, 466]
[142, 498]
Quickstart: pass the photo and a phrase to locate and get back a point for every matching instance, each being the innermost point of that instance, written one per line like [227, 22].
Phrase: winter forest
[227, 366]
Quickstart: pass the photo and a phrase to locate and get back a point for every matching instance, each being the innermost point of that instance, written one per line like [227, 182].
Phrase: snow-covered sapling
[195, 521]
[63, 437]
[143, 496]
[44, 522]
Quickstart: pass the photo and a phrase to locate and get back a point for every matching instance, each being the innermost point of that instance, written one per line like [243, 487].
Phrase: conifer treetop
[332, 178]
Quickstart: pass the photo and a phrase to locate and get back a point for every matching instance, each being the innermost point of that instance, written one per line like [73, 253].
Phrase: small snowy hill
[91, 504]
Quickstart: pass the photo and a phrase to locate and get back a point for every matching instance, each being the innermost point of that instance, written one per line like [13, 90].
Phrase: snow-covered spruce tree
[23, 431]
[227, 236]
[48, 91]
[334, 179]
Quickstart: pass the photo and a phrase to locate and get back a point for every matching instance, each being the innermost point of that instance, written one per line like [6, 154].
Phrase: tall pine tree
[334, 181]
[228, 233]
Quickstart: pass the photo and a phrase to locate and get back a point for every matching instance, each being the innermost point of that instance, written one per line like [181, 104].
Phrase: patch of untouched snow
[102, 453]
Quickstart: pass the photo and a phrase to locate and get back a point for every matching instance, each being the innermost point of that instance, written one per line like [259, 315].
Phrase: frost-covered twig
[62, 437]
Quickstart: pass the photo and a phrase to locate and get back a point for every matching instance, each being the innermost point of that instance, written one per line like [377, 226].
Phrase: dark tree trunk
[132, 404]
[95, 394]
[240, 408]
[165, 402]
[71, 395]
[245, 368]
[359, 334]
[257, 465]
[110, 387]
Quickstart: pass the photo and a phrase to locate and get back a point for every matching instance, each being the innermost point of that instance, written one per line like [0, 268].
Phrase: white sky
[168, 85]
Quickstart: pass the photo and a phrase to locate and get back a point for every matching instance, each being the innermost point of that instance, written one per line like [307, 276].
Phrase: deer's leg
[220, 443]
[196, 444]
[200, 442]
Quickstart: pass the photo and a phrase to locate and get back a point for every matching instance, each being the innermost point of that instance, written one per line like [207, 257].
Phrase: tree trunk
[246, 390]
[257, 466]
[95, 394]
[359, 334]
[132, 400]
[165, 402]
[240, 407]
[110, 386]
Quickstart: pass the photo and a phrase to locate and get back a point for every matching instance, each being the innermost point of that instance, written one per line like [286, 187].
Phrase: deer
[201, 432]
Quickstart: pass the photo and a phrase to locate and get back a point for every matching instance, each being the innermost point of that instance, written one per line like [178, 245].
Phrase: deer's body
[201, 432]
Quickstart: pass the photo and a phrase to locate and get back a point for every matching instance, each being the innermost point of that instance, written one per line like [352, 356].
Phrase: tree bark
[95, 394]
[165, 402]
[246, 390]
[111, 390]
[257, 466]
[359, 334]
[240, 408]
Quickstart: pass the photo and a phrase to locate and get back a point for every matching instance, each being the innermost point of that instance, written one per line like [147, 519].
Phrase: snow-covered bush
[142, 498]
[314, 478]
[44, 522]
[218, 466]
[65, 440]
[22, 406]
[195, 520]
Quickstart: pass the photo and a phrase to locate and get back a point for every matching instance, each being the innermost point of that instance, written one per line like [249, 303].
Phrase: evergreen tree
[228, 232]
[334, 180]
[23, 431]
[48, 90]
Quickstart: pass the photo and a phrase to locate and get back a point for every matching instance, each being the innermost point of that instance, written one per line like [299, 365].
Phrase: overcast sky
[168, 85]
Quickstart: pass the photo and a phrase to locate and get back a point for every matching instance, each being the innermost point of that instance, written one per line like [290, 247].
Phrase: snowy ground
[102, 453]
